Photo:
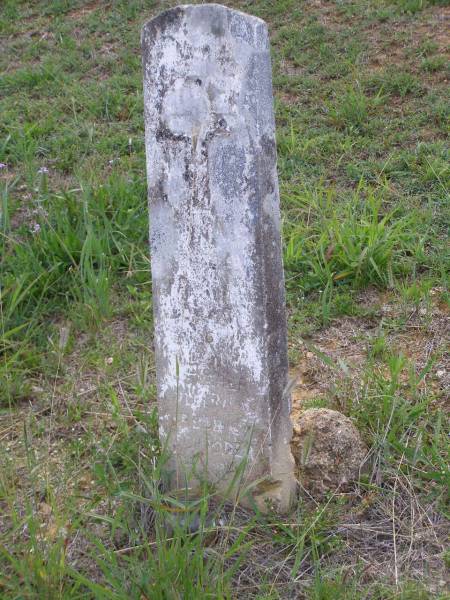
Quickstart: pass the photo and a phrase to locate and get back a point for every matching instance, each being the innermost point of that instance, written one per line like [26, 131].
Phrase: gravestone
[217, 276]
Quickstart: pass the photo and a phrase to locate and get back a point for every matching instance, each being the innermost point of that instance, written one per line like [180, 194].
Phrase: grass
[362, 115]
[350, 240]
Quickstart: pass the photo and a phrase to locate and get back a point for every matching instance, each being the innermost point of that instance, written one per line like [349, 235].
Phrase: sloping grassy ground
[362, 103]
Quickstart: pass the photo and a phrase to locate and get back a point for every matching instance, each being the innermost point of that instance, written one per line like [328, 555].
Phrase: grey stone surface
[329, 451]
[218, 287]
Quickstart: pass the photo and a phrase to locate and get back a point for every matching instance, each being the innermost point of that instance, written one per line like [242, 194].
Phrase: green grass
[362, 118]
[351, 240]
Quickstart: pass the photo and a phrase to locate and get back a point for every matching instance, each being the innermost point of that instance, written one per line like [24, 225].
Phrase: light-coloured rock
[329, 451]
[220, 326]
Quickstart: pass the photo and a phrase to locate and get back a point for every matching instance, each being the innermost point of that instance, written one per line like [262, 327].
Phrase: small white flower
[35, 228]
[3, 166]
[42, 170]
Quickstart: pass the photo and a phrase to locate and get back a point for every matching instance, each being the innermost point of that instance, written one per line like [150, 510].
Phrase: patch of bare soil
[430, 26]
[436, 28]
[393, 536]
[385, 50]
[87, 9]
[326, 14]
[389, 533]
[345, 348]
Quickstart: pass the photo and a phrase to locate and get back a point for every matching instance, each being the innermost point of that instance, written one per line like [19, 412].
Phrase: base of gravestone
[275, 491]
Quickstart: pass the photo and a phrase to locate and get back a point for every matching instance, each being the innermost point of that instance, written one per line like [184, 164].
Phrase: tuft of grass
[395, 82]
[434, 64]
[75, 246]
[404, 427]
[410, 6]
[351, 110]
[348, 240]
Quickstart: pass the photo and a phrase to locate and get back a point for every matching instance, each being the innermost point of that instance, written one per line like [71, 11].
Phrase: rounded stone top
[211, 18]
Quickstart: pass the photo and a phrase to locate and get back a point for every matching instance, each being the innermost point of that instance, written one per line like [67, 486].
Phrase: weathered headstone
[218, 287]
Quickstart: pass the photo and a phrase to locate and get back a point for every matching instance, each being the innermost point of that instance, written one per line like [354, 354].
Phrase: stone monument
[217, 275]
